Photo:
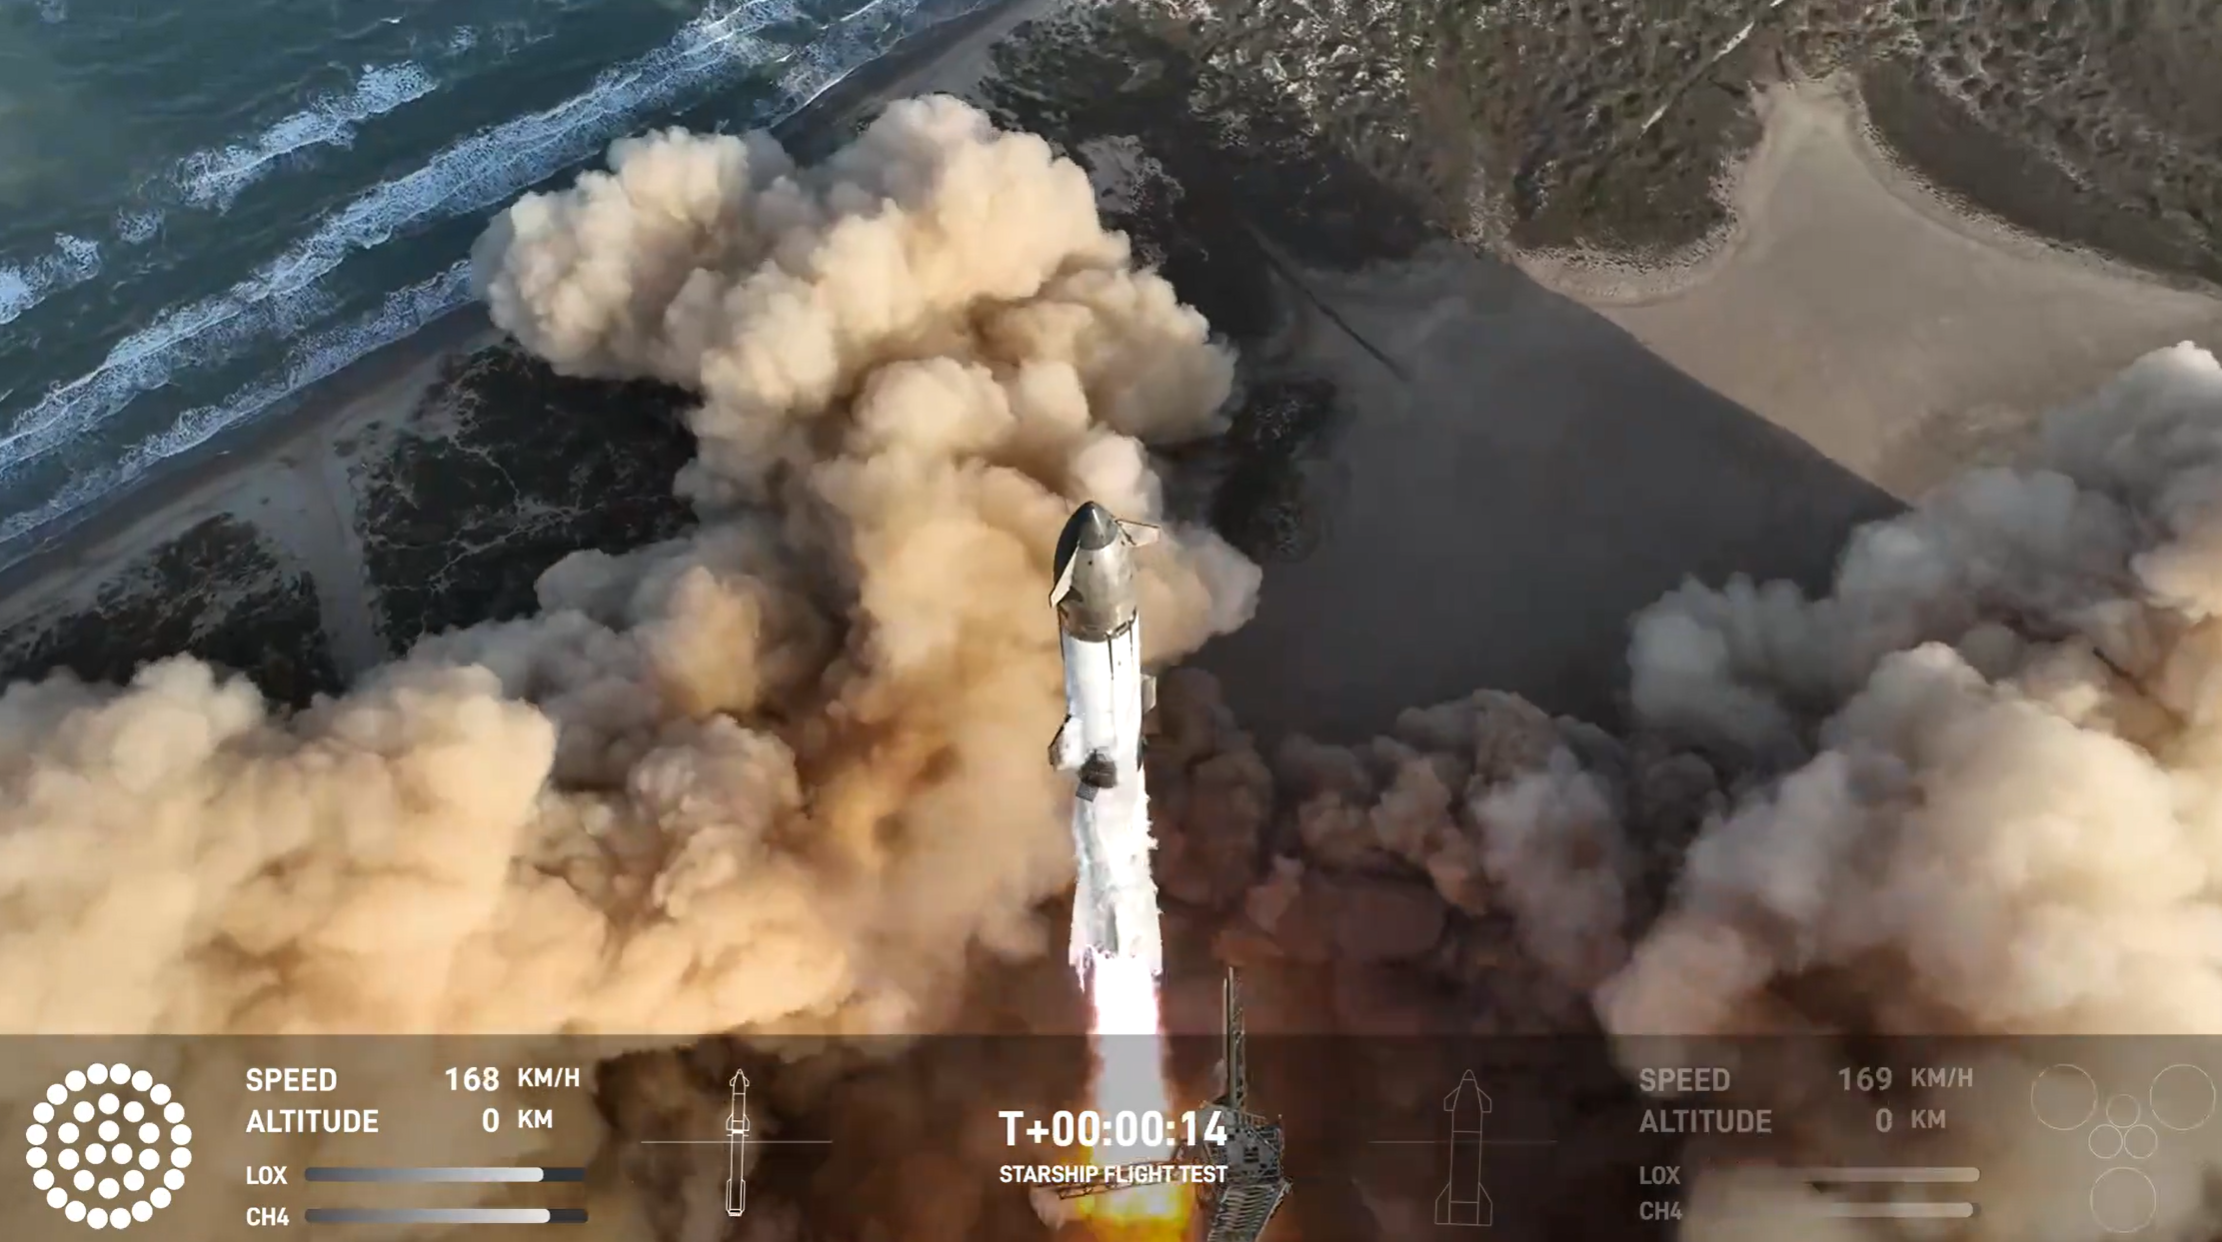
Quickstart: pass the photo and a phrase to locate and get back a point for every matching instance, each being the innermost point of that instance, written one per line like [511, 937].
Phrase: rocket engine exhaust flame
[1130, 1077]
[1130, 1061]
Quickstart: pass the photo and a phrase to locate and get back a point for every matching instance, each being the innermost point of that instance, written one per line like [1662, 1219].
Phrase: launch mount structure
[1239, 1206]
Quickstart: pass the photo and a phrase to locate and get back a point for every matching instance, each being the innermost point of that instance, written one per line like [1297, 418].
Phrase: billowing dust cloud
[787, 773]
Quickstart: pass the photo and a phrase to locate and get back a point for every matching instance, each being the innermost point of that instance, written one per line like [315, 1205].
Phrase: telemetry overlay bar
[1900, 1211]
[1903, 1177]
[461, 1173]
[447, 1216]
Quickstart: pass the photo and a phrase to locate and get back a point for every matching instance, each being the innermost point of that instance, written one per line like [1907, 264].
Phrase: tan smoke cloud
[784, 773]
[2000, 818]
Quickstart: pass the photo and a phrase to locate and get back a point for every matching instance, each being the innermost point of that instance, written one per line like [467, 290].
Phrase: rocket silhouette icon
[1464, 1202]
[736, 1148]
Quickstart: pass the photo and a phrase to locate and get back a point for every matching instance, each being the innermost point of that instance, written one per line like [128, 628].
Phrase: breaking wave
[314, 357]
[214, 178]
[73, 261]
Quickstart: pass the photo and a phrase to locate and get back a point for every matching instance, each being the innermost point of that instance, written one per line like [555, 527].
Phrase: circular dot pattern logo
[108, 1147]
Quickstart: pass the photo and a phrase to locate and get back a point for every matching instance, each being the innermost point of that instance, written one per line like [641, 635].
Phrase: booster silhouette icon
[1464, 1201]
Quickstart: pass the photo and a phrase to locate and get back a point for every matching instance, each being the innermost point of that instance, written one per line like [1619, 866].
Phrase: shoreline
[179, 486]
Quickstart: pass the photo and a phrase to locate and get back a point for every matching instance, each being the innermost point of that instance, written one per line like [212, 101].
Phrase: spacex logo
[108, 1146]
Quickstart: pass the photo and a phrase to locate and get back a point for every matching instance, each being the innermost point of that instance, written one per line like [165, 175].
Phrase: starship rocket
[1114, 906]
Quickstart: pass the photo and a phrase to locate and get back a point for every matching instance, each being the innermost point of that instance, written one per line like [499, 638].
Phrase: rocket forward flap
[1063, 587]
[1149, 694]
[1140, 534]
[1064, 749]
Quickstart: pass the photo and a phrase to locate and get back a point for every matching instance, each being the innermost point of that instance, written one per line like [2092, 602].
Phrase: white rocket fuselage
[1114, 909]
[1114, 906]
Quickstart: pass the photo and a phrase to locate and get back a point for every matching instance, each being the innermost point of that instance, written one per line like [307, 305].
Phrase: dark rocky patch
[1240, 193]
[1252, 174]
[217, 591]
[1966, 160]
[1541, 125]
[1606, 123]
[1262, 505]
[502, 469]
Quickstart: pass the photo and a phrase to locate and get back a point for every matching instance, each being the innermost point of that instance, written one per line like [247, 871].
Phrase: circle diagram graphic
[2182, 1096]
[2064, 1097]
[2123, 1200]
[108, 1146]
[2123, 1111]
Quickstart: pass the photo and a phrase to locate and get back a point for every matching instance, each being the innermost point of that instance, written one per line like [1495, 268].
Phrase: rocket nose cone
[1092, 527]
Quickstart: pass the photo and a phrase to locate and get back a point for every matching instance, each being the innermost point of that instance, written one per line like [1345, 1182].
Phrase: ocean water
[205, 208]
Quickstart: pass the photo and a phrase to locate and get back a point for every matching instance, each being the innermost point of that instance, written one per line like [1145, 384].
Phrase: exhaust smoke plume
[787, 773]
[784, 773]
[1997, 813]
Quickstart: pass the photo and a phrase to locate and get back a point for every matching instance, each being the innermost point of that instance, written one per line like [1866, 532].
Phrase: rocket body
[1114, 906]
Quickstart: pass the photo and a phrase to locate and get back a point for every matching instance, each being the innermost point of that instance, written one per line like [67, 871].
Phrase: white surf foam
[135, 228]
[477, 172]
[214, 178]
[24, 285]
[316, 357]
